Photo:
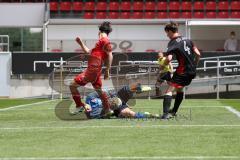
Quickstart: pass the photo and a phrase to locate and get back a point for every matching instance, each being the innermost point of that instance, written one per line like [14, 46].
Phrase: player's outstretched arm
[198, 55]
[83, 46]
[108, 64]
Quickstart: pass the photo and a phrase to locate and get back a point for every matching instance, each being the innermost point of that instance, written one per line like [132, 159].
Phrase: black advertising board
[43, 63]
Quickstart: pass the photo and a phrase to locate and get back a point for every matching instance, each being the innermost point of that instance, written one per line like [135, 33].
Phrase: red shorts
[89, 77]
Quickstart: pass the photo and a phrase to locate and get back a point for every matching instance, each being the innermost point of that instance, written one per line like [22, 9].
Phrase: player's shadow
[62, 111]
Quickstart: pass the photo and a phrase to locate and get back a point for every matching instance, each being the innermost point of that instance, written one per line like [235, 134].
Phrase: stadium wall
[5, 70]
[142, 37]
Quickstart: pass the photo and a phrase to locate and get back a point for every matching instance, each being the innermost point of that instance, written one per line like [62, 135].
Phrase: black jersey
[182, 48]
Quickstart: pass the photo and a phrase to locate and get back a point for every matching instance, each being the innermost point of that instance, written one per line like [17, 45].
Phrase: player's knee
[168, 93]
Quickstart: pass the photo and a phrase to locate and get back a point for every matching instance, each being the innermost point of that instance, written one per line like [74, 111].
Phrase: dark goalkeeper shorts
[181, 80]
[164, 77]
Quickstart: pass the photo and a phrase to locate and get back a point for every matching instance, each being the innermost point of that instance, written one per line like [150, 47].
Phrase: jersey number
[186, 48]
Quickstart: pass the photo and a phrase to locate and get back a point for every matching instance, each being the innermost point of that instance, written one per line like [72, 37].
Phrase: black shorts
[181, 80]
[118, 111]
[166, 76]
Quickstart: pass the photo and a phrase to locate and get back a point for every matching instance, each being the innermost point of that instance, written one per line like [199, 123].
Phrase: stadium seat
[77, 6]
[125, 15]
[211, 14]
[53, 6]
[162, 6]
[235, 5]
[89, 6]
[162, 15]
[125, 6]
[149, 15]
[198, 14]
[101, 6]
[138, 5]
[65, 6]
[187, 14]
[223, 5]
[223, 14]
[88, 15]
[198, 5]
[186, 5]
[150, 5]
[101, 15]
[211, 5]
[137, 15]
[113, 15]
[113, 6]
[174, 6]
[174, 15]
[235, 14]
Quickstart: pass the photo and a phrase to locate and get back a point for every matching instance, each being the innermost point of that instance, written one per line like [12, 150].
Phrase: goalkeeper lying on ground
[118, 103]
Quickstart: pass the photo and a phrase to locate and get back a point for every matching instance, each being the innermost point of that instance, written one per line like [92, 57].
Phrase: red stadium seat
[137, 15]
[162, 15]
[53, 6]
[198, 5]
[113, 6]
[223, 5]
[101, 15]
[162, 6]
[113, 15]
[89, 6]
[65, 6]
[101, 6]
[187, 15]
[138, 5]
[149, 15]
[235, 14]
[211, 5]
[150, 5]
[223, 14]
[77, 6]
[186, 5]
[125, 6]
[88, 15]
[235, 5]
[174, 6]
[211, 14]
[198, 14]
[174, 15]
[125, 15]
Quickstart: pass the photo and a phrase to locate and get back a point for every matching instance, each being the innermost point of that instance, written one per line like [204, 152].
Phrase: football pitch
[204, 129]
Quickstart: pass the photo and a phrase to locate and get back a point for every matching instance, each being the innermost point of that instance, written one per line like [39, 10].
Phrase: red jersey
[101, 48]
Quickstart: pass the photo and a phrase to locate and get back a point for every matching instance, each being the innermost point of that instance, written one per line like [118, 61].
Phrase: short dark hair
[172, 26]
[105, 27]
[232, 33]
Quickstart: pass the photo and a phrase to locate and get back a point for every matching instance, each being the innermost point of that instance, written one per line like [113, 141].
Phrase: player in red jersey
[100, 54]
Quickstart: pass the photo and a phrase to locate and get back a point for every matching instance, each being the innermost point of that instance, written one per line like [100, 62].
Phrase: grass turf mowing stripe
[234, 111]
[25, 105]
[128, 126]
[124, 158]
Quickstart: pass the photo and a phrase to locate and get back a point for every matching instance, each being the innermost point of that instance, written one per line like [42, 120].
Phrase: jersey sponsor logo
[186, 48]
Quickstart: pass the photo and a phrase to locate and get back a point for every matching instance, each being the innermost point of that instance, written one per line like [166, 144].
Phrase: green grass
[4, 103]
[204, 129]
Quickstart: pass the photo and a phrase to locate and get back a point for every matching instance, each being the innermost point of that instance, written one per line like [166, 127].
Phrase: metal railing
[4, 43]
[149, 73]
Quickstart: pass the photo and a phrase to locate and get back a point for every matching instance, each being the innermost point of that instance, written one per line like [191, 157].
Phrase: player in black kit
[188, 57]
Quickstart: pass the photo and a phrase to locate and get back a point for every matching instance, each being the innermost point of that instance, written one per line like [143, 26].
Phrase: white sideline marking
[25, 105]
[234, 111]
[128, 126]
[119, 158]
